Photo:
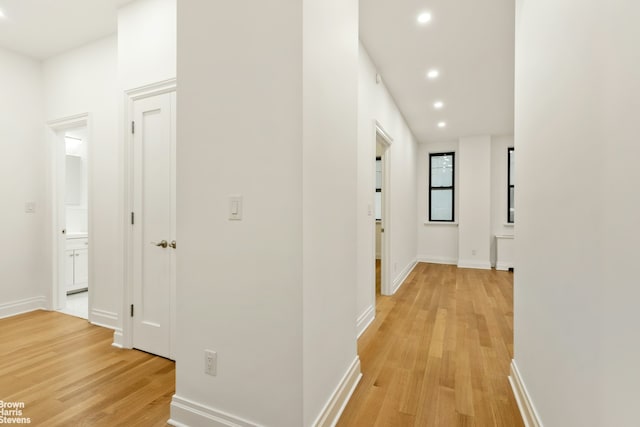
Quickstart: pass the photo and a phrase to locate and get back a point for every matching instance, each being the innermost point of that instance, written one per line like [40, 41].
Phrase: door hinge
[131, 310]
[133, 127]
[132, 218]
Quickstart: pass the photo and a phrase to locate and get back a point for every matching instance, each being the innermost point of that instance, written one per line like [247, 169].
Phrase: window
[441, 187]
[510, 186]
[378, 188]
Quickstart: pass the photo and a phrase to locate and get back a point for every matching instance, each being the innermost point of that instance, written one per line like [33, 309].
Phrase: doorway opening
[70, 149]
[378, 210]
[382, 213]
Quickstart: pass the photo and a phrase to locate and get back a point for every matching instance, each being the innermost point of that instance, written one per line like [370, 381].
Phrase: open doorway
[382, 213]
[70, 148]
[378, 210]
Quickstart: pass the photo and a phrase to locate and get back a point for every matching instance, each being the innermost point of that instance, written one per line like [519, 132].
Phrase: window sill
[440, 223]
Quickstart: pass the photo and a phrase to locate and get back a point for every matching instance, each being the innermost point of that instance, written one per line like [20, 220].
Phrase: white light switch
[235, 208]
[30, 207]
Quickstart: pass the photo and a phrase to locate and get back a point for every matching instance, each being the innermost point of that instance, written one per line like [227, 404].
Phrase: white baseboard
[438, 260]
[331, 412]
[22, 306]
[365, 319]
[403, 276]
[106, 319]
[478, 265]
[118, 340]
[503, 266]
[187, 413]
[527, 410]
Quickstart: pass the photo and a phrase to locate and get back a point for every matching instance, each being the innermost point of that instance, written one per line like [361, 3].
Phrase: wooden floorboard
[67, 374]
[438, 353]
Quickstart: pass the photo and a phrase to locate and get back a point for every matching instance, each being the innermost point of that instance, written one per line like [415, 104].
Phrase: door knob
[162, 244]
[173, 244]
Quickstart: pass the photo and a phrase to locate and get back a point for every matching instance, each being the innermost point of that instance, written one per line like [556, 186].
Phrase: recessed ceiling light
[1, 14]
[432, 74]
[424, 17]
[442, 124]
[438, 105]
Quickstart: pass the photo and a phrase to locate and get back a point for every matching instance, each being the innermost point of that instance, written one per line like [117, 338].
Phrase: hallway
[438, 353]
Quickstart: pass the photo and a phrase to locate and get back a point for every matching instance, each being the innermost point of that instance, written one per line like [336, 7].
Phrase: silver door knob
[162, 244]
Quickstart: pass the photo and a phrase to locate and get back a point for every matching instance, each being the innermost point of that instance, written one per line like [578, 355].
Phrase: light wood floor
[68, 374]
[438, 353]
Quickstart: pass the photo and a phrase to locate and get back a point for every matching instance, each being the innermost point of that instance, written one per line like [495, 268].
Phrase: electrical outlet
[210, 362]
[473, 252]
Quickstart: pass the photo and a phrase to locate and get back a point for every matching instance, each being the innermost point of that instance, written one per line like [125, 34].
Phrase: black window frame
[452, 187]
[510, 185]
[378, 190]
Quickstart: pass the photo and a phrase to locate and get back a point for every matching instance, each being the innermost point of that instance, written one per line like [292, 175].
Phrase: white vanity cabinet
[77, 264]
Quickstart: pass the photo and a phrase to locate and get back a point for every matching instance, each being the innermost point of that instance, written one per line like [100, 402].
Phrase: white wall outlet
[30, 207]
[473, 252]
[210, 362]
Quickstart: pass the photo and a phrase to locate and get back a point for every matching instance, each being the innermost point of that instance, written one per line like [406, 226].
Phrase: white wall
[281, 317]
[330, 132]
[146, 42]
[239, 132]
[437, 242]
[376, 104]
[440, 242]
[621, 207]
[576, 297]
[23, 258]
[474, 209]
[84, 80]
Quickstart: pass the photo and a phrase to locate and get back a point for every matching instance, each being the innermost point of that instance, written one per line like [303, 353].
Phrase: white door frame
[55, 152]
[386, 287]
[131, 96]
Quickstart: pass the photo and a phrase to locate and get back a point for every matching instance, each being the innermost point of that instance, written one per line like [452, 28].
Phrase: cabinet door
[68, 269]
[81, 268]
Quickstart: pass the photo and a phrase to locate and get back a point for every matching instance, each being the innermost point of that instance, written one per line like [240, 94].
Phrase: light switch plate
[235, 208]
[30, 207]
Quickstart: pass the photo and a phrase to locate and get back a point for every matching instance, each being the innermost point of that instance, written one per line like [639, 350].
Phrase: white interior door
[64, 259]
[153, 225]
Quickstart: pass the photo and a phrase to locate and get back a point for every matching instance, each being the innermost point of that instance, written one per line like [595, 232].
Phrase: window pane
[441, 205]
[378, 200]
[442, 177]
[441, 161]
[511, 204]
[442, 171]
[512, 173]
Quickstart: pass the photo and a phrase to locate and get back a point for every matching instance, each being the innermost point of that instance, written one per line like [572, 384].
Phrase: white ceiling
[44, 28]
[471, 42]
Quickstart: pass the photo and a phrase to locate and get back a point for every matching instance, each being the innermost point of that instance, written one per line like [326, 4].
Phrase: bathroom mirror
[73, 174]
